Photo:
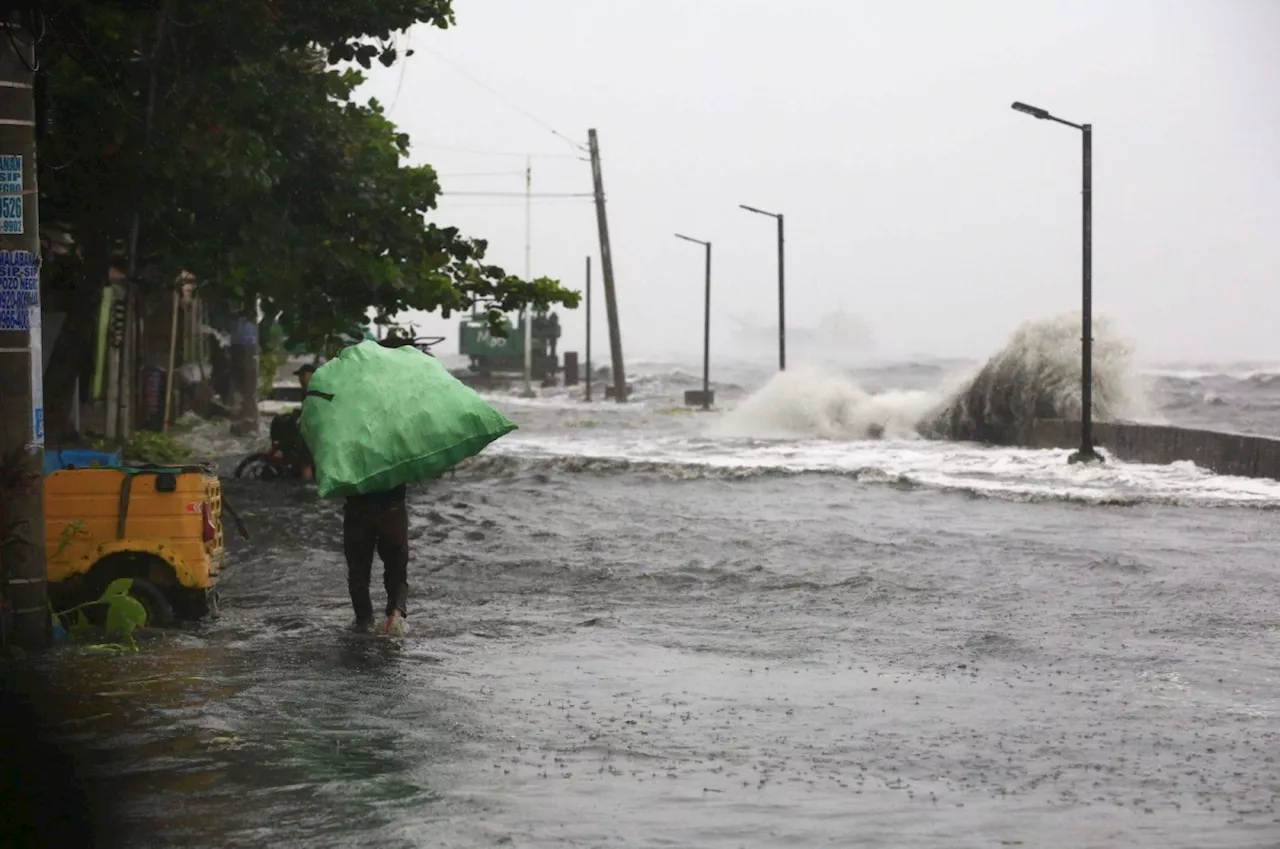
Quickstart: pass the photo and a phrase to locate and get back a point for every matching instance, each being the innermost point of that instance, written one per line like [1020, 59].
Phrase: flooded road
[605, 657]
[637, 626]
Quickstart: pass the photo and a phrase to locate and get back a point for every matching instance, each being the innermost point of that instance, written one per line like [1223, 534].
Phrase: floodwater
[642, 627]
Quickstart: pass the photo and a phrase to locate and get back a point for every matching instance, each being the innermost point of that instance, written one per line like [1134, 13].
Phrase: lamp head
[1033, 111]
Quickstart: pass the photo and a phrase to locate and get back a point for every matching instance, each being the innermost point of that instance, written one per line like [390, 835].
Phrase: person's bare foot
[396, 626]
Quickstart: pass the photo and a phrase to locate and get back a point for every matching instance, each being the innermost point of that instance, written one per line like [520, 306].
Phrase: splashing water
[812, 402]
[1037, 375]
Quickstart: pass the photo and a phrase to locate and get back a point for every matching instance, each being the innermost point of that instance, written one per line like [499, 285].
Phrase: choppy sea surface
[640, 625]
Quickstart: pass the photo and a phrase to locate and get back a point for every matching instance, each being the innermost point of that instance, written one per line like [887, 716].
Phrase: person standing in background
[306, 461]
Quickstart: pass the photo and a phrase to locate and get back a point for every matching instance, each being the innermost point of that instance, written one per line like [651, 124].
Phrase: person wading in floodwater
[378, 522]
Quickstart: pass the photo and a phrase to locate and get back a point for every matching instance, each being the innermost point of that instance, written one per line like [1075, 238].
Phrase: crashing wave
[1037, 375]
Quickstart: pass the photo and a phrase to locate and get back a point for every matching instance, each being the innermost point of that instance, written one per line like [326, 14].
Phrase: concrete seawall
[1223, 453]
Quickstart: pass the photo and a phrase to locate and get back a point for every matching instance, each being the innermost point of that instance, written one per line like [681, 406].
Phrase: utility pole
[606, 260]
[22, 531]
[528, 275]
[588, 394]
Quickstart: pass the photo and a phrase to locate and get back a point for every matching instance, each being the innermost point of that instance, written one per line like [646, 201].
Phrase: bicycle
[270, 465]
[278, 462]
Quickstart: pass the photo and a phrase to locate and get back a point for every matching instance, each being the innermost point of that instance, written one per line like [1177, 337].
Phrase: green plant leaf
[118, 587]
[125, 614]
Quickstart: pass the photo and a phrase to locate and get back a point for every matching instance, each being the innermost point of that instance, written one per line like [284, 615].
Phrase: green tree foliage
[230, 128]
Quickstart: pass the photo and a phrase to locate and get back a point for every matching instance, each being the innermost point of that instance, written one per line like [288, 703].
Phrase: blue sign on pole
[11, 221]
[19, 289]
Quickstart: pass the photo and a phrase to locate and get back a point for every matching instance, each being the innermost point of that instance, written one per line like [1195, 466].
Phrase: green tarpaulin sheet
[376, 418]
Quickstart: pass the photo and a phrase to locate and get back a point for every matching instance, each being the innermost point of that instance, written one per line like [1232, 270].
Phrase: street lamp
[1087, 453]
[782, 286]
[705, 397]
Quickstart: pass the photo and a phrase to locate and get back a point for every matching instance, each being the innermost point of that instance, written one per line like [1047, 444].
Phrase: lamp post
[705, 397]
[1087, 453]
[782, 285]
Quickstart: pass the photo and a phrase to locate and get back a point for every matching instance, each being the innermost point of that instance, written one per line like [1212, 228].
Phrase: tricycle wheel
[154, 601]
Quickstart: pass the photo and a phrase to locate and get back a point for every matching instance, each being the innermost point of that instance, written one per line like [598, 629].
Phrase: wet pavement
[605, 656]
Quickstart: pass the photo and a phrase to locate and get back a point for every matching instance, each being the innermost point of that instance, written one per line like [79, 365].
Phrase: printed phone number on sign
[11, 216]
[19, 319]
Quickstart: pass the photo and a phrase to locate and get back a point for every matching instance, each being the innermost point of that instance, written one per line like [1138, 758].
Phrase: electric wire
[454, 176]
[478, 152]
[508, 101]
[520, 194]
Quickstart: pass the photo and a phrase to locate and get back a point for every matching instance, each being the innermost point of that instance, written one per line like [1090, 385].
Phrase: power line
[404, 66]
[475, 152]
[515, 200]
[453, 176]
[522, 194]
[493, 204]
[459, 69]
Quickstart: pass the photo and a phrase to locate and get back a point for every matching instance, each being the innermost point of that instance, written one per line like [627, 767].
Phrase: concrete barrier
[1224, 453]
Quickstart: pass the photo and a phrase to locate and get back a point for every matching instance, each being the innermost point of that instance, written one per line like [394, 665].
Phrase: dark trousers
[384, 528]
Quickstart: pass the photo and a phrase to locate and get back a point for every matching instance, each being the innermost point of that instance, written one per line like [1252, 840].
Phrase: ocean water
[640, 625]
[865, 422]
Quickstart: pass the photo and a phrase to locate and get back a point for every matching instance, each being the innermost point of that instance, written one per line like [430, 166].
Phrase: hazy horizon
[916, 199]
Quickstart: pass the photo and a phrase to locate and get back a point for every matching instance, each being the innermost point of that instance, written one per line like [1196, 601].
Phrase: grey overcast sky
[915, 197]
